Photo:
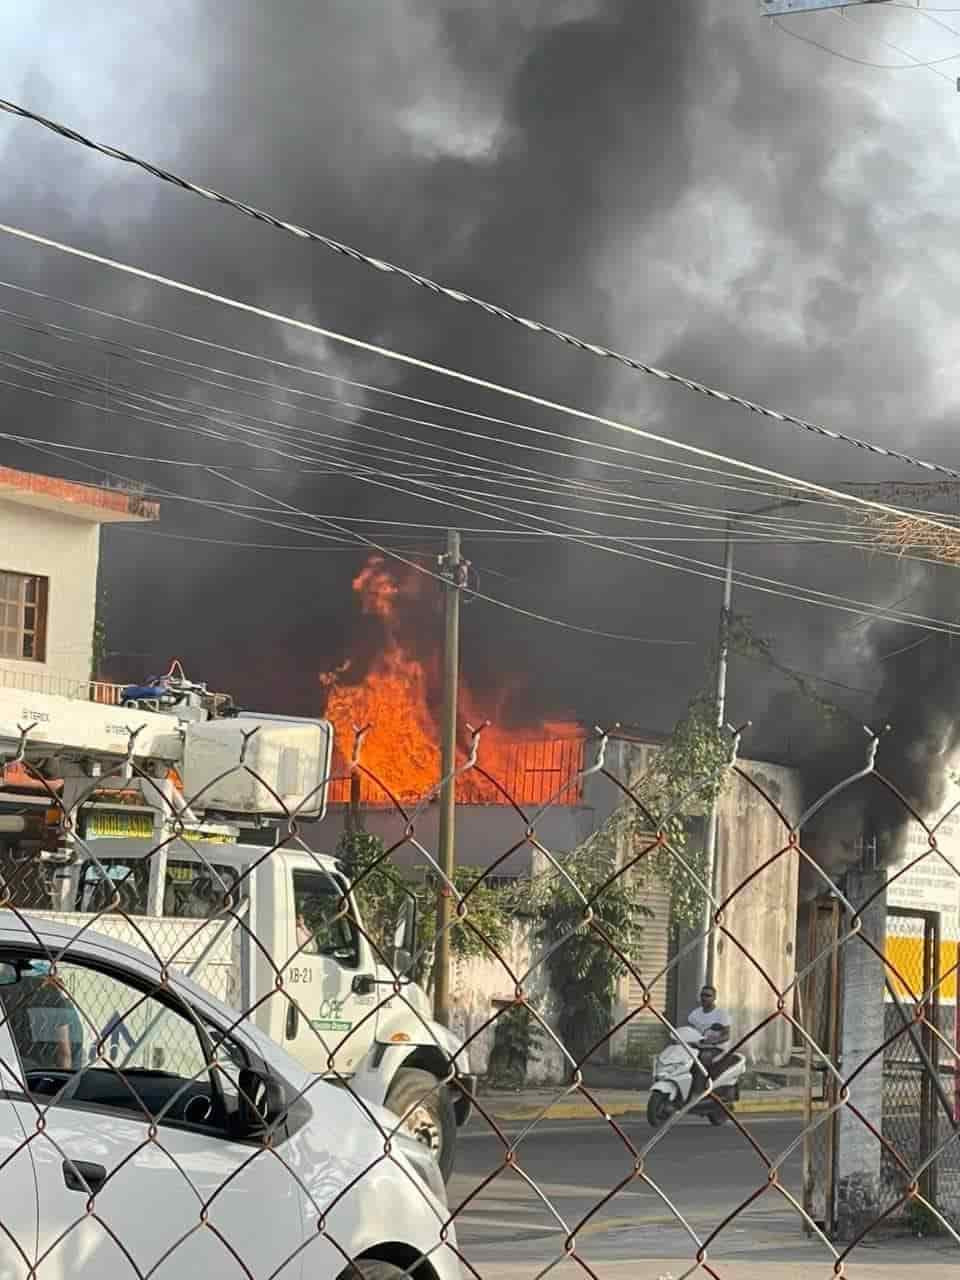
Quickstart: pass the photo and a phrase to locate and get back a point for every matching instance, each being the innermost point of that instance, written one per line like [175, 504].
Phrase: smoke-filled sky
[677, 178]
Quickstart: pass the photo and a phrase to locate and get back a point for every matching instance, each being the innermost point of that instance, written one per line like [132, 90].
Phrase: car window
[106, 879]
[195, 890]
[110, 1044]
[192, 890]
[323, 926]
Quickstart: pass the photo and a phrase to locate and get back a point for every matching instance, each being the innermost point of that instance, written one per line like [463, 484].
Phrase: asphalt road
[707, 1173]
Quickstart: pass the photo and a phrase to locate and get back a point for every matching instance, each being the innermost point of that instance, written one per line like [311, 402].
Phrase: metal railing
[102, 691]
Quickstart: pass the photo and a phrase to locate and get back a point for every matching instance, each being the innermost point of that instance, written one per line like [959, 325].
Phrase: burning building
[532, 790]
[523, 760]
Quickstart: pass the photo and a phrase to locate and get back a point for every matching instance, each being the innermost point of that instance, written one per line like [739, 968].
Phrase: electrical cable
[865, 62]
[500, 440]
[742, 577]
[458, 375]
[460, 493]
[722, 513]
[392, 553]
[778, 526]
[777, 530]
[834, 541]
[714, 574]
[309, 370]
[457, 295]
[919, 620]
[469, 378]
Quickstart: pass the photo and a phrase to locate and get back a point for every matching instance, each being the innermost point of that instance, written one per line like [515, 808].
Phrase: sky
[681, 180]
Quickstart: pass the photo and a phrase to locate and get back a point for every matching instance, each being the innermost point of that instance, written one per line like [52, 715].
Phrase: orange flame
[402, 748]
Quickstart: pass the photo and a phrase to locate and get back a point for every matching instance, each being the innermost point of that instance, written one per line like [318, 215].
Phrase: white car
[143, 1131]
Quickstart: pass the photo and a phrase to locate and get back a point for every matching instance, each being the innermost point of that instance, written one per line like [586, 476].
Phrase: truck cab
[278, 932]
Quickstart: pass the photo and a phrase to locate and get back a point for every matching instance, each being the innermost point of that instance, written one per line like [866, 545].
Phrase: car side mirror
[262, 1103]
[8, 974]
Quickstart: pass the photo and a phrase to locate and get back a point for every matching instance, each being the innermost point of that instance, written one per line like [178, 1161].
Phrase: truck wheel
[428, 1114]
[658, 1109]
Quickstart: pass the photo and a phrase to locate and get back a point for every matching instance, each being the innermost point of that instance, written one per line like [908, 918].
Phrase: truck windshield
[192, 890]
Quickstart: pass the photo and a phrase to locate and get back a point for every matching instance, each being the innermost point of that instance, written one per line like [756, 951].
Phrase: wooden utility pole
[453, 572]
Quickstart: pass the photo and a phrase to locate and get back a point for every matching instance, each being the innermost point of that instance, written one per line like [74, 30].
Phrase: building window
[23, 616]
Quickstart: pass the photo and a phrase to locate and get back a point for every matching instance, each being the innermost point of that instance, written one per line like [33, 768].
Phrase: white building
[49, 556]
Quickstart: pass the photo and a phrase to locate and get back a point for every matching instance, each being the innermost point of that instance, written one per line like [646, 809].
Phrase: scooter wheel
[659, 1110]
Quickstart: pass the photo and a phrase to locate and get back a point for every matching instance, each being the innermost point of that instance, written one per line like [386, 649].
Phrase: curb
[584, 1110]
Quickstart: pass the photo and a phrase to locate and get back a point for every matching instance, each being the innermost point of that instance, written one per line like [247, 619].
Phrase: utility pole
[711, 878]
[454, 571]
[710, 835]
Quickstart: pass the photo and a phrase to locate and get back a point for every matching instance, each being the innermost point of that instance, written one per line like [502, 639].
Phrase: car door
[332, 1013]
[18, 1185]
[134, 1174]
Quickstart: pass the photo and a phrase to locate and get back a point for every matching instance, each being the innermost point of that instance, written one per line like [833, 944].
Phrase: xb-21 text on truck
[199, 881]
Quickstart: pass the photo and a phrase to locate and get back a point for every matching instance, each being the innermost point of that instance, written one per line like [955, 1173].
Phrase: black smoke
[678, 180]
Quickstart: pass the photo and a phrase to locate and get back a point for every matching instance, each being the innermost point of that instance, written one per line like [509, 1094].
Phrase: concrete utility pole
[710, 835]
[454, 571]
[708, 953]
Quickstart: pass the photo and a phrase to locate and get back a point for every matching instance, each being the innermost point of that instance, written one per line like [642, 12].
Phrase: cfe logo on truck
[329, 1017]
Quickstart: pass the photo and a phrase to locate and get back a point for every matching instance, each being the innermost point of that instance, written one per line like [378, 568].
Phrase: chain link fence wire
[158, 1130]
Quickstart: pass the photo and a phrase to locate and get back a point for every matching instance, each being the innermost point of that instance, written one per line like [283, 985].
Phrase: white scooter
[678, 1070]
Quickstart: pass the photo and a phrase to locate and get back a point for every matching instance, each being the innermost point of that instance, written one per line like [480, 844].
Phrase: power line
[120, 349]
[661, 476]
[384, 391]
[457, 295]
[777, 529]
[467, 378]
[713, 573]
[562, 484]
[826, 600]
[368, 475]
[394, 554]
[915, 65]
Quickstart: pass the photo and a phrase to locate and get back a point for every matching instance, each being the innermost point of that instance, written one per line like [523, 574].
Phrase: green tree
[590, 908]
[586, 915]
[483, 926]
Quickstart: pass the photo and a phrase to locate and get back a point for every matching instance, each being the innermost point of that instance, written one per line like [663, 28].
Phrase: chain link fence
[219, 1056]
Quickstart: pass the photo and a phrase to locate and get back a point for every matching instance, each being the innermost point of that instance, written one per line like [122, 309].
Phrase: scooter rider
[714, 1025]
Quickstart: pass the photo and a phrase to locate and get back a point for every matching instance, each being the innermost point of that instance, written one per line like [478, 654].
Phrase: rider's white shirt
[702, 1021]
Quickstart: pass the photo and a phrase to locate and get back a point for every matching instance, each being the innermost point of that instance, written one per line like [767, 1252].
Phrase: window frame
[41, 607]
[201, 1024]
[339, 883]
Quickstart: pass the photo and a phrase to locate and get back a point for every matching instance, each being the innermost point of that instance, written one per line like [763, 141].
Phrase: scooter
[678, 1070]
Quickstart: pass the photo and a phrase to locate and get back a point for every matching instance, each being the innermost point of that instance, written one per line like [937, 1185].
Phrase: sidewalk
[554, 1104]
[881, 1265]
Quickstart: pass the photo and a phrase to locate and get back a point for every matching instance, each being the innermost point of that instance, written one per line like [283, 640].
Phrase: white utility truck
[193, 854]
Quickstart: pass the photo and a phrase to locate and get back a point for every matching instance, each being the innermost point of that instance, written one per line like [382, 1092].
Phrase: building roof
[78, 501]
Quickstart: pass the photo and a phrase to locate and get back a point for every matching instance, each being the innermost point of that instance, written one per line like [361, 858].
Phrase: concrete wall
[480, 981]
[67, 552]
[762, 916]
[484, 834]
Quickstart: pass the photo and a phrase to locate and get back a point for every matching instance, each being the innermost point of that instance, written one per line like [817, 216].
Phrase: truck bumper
[464, 1090]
